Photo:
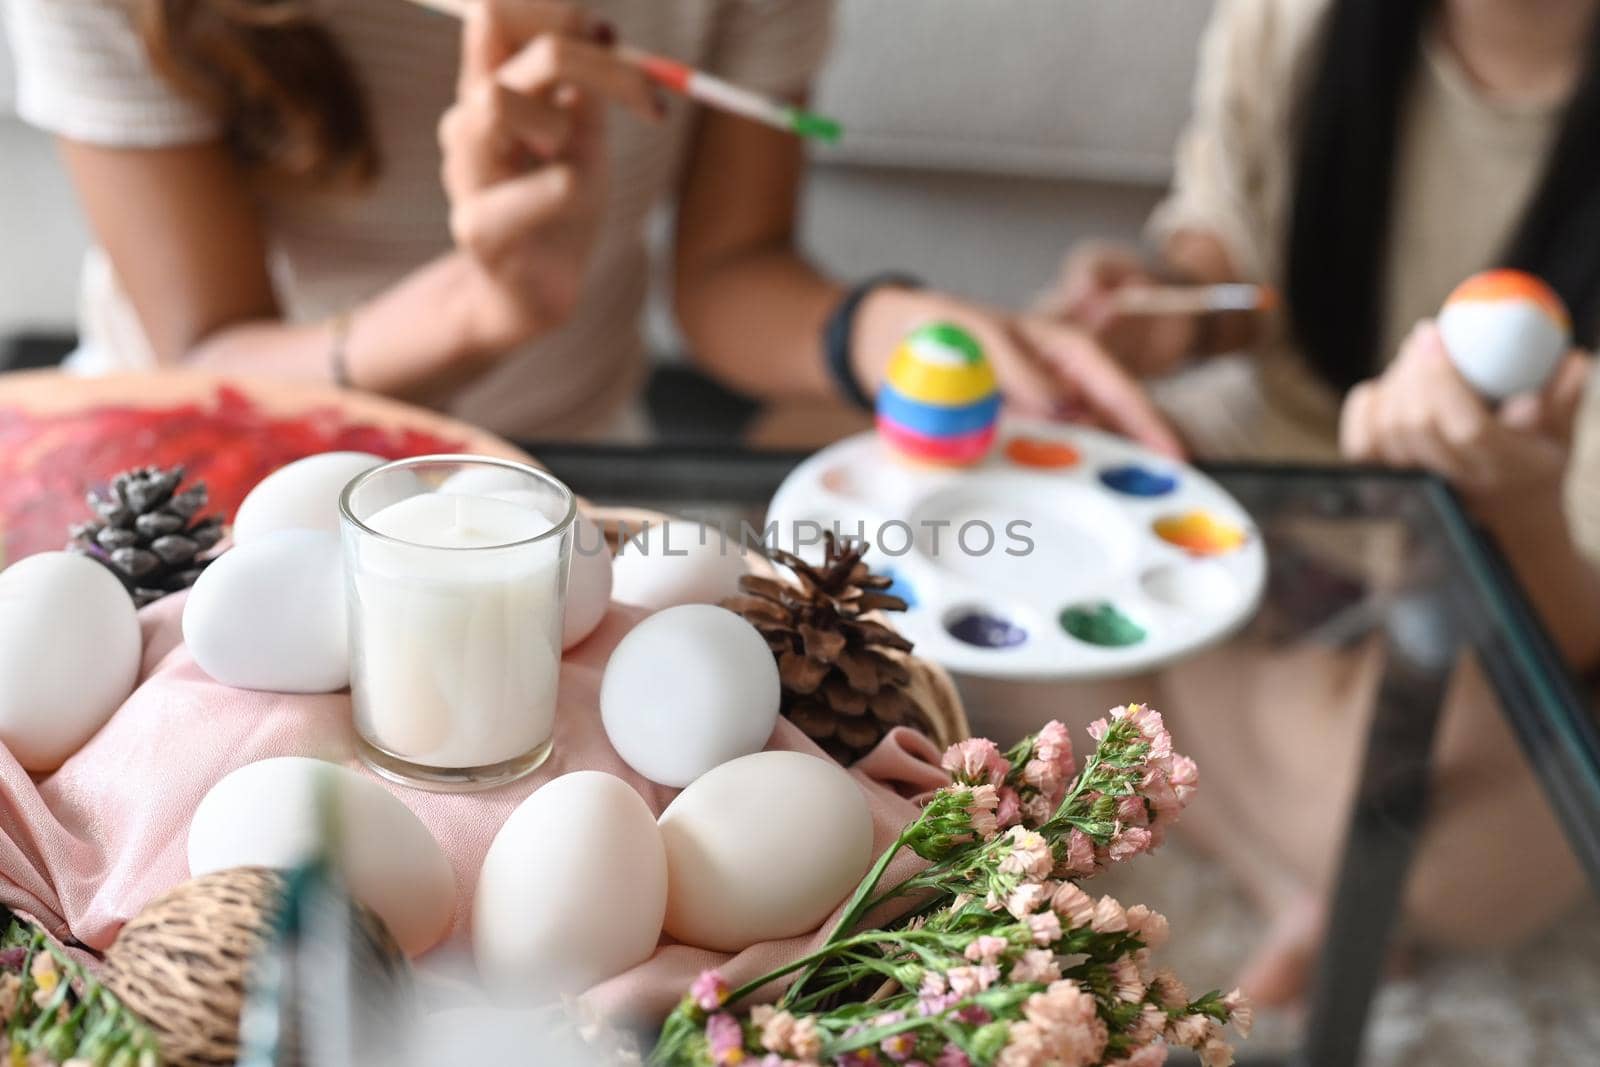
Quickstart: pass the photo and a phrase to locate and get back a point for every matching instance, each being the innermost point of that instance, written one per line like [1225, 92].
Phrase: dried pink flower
[1045, 927]
[1077, 860]
[1148, 926]
[986, 949]
[1145, 1056]
[1036, 965]
[1037, 808]
[1216, 1053]
[1064, 1015]
[1184, 774]
[1240, 1013]
[709, 991]
[1024, 1047]
[1009, 809]
[1026, 899]
[726, 1040]
[777, 1030]
[1169, 991]
[968, 981]
[976, 761]
[898, 1047]
[952, 1057]
[1029, 856]
[1148, 722]
[1150, 1025]
[1156, 788]
[1125, 977]
[1190, 1031]
[1053, 745]
[1075, 907]
[1109, 918]
[1128, 843]
[805, 1041]
[1132, 812]
[981, 811]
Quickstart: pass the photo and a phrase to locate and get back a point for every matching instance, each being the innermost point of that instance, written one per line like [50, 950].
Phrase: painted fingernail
[603, 32]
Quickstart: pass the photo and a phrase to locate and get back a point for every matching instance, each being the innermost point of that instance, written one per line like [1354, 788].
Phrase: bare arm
[754, 310]
[185, 238]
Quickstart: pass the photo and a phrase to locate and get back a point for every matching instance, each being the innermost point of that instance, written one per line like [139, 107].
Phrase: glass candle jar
[455, 579]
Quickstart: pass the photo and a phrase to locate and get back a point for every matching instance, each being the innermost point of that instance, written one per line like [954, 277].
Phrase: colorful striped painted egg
[939, 403]
[1506, 331]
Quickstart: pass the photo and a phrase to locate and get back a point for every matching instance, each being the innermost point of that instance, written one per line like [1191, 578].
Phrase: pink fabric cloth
[84, 849]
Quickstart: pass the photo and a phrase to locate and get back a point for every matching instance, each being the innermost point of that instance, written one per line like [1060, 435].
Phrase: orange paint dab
[1040, 453]
[1493, 285]
[1200, 533]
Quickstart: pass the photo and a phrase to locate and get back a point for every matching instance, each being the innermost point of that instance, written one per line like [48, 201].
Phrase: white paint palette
[1066, 554]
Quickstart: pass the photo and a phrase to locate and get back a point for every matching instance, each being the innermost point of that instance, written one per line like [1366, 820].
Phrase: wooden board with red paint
[62, 435]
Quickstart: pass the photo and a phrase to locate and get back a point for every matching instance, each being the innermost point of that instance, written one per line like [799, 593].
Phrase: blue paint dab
[1134, 480]
[980, 629]
[899, 587]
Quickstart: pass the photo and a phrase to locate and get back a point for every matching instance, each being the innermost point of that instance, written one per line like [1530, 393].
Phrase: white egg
[271, 615]
[303, 495]
[764, 847]
[269, 814]
[69, 655]
[573, 889]
[588, 583]
[687, 689]
[659, 565]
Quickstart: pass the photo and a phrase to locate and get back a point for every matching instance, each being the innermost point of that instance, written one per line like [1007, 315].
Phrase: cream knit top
[1467, 166]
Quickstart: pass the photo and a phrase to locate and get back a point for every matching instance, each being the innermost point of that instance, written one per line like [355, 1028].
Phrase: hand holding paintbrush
[700, 87]
[1153, 328]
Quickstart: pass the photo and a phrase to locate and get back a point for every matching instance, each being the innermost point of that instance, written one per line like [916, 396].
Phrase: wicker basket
[182, 962]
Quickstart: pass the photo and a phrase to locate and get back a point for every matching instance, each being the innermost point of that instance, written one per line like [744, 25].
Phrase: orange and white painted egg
[1506, 332]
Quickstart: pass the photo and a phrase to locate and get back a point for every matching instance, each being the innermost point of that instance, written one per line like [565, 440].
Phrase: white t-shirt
[82, 73]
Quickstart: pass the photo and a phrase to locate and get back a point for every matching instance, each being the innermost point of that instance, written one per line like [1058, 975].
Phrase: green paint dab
[1101, 624]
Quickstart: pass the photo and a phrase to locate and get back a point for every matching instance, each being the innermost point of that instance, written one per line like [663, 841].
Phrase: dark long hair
[1347, 142]
[288, 98]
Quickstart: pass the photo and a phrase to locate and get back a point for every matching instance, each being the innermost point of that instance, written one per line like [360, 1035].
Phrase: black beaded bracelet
[836, 335]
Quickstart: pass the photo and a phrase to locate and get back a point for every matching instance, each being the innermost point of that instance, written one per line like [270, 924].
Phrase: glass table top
[1399, 818]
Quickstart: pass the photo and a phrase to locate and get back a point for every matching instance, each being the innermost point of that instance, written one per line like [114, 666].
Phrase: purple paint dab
[1134, 480]
[983, 630]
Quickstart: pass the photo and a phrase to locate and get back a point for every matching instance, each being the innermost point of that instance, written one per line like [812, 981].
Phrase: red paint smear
[48, 462]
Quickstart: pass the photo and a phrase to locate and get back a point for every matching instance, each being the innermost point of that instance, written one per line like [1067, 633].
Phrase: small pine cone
[145, 531]
[844, 683]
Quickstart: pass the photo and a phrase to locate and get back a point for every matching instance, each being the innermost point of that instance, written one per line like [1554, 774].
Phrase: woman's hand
[1422, 413]
[525, 159]
[1085, 294]
[1045, 368]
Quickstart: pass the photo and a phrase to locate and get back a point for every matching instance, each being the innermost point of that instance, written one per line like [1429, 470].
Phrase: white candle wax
[461, 630]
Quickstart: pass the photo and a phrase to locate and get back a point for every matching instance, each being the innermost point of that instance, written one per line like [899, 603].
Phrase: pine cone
[844, 675]
[147, 533]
